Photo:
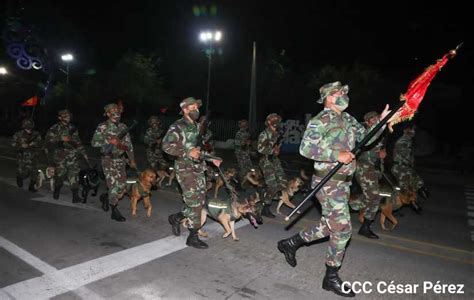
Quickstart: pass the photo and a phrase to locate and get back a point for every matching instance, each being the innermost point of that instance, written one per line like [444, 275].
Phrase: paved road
[56, 249]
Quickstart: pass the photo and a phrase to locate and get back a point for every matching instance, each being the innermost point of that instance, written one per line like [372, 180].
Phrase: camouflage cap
[273, 116]
[64, 112]
[330, 88]
[27, 124]
[153, 119]
[189, 101]
[370, 115]
[111, 106]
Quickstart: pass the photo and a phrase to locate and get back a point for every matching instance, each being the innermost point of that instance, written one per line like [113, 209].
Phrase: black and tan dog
[216, 181]
[292, 187]
[141, 190]
[89, 180]
[392, 200]
[254, 177]
[163, 174]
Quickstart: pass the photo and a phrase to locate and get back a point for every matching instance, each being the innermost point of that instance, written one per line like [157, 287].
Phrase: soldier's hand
[276, 151]
[113, 140]
[122, 147]
[24, 145]
[133, 164]
[382, 154]
[385, 112]
[346, 157]
[195, 153]
[216, 162]
[66, 138]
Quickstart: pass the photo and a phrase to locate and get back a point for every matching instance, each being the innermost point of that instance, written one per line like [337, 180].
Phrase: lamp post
[209, 37]
[67, 58]
[3, 71]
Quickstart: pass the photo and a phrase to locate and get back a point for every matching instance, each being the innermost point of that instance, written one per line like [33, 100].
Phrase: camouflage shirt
[33, 140]
[403, 151]
[240, 139]
[152, 135]
[266, 141]
[180, 139]
[370, 155]
[61, 150]
[109, 129]
[329, 133]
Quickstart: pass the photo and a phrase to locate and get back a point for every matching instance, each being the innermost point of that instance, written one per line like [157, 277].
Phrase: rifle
[202, 132]
[109, 147]
[209, 157]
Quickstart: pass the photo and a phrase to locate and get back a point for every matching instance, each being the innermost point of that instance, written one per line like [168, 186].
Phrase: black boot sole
[330, 289]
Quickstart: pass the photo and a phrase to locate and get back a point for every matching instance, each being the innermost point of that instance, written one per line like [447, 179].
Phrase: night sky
[398, 38]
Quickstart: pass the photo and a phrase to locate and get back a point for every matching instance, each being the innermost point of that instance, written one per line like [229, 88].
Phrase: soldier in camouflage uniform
[403, 167]
[269, 148]
[114, 162]
[64, 143]
[181, 141]
[242, 149]
[152, 139]
[368, 178]
[27, 143]
[328, 139]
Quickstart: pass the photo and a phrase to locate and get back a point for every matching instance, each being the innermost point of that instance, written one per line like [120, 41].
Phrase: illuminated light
[209, 35]
[203, 36]
[67, 57]
[3, 71]
[218, 36]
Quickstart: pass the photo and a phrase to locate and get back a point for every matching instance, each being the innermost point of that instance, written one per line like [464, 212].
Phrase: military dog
[89, 180]
[230, 175]
[286, 194]
[162, 174]
[141, 190]
[254, 177]
[48, 174]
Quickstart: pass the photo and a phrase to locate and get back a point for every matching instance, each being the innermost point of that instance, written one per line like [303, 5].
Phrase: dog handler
[328, 139]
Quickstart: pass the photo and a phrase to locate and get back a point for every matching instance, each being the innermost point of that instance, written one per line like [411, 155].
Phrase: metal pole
[209, 77]
[67, 85]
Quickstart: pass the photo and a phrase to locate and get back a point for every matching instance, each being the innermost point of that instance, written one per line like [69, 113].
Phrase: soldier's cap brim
[344, 88]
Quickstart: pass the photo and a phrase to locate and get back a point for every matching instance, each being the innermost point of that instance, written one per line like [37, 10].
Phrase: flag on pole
[33, 101]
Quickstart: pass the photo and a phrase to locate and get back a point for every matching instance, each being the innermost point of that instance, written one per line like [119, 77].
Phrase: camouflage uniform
[180, 138]
[242, 151]
[27, 147]
[326, 135]
[152, 139]
[65, 154]
[270, 164]
[113, 163]
[404, 164]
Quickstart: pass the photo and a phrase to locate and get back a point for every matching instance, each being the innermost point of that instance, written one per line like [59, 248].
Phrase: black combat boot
[266, 212]
[175, 222]
[57, 189]
[116, 215]
[75, 196]
[31, 187]
[366, 231]
[104, 198]
[19, 181]
[194, 241]
[333, 283]
[289, 247]
[423, 192]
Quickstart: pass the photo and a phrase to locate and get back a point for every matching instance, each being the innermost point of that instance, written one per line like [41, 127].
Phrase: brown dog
[392, 201]
[142, 190]
[162, 174]
[254, 177]
[216, 181]
[286, 194]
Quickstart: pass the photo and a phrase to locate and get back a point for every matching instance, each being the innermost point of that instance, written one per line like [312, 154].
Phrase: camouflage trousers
[244, 162]
[27, 165]
[275, 177]
[156, 159]
[335, 221]
[368, 179]
[67, 168]
[115, 178]
[192, 181]
[407, 177]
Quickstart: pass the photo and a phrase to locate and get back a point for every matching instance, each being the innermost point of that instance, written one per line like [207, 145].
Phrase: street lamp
[67, 58]
[3, 71]
[209, 37]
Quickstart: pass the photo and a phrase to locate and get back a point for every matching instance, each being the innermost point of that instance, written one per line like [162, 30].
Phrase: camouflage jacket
[151, 137]
[33, 141]
[181, 137]
[371, 155]
[403, 151]
[61, 149]
[240, 138]
[109, 129]
[266, 141]
[327, 134]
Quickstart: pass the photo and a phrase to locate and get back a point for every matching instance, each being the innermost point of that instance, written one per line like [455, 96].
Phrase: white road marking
[58, 282]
